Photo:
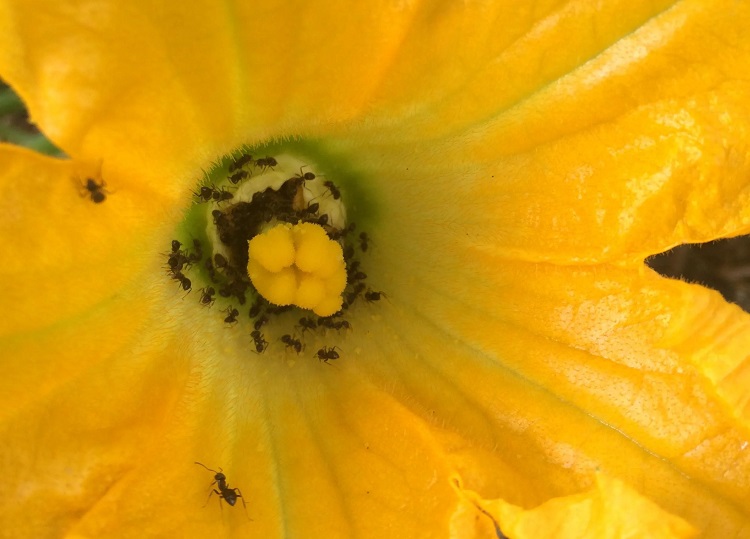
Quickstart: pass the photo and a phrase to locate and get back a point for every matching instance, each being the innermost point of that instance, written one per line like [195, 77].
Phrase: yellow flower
[512, 163]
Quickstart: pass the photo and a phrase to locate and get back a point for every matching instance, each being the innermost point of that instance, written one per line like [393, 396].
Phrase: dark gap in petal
[723, 265]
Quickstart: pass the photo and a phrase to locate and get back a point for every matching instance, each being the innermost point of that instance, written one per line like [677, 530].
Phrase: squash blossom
[364, 270]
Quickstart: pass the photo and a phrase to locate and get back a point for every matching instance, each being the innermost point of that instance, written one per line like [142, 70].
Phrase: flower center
[274, 229]
[298, 265]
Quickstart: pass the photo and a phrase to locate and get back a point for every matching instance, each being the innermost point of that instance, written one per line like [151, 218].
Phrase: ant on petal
[95, 191]
[226, 493]
[326, 354]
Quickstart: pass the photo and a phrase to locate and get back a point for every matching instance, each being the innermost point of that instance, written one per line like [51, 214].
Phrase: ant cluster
[179, 259]
[238, 222]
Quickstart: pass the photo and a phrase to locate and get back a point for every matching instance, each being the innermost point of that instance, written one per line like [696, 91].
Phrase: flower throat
[270, 238]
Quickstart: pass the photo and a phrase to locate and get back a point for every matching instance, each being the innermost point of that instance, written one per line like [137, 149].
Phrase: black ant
[266, 162]
[358, 289]
[241, 162]
[211, 270]
[205, 194]
[184, 281]
[220, 195]
[232, 315]
[338, 325]
[220, 261]
[198, 254]
[371, 296]
[234, 178]
[177, 261]
[260, 322]
[338, 233]
[333, 189]
[307, 323]
[207, 296]
[321, 220]
[327, 354]
[177, 258]
[312, 209]
[237, 289]
[301, 178]
[291, 342]
[226, 493]
[219, 218]
[363, 241]
[96, 191]
[342, 324]
[256, 308]
[260, 343]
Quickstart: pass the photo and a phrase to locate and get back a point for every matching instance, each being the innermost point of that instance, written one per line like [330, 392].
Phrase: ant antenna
[207, 468]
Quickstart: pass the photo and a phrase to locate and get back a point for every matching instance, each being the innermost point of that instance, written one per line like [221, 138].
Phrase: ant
[307, 176]
[256, 308]
[234, 178]
[327, 354]
[207, 296]
[301, 178]
[363, 241]
[290, 342]
[176, 261]
[321, 220]
[96, 191]
[266, 162]
[312, 209]
[220, 261]
[229, 495]
[205, 194]
[241, 162]
[232, 315]
[260, 322]
[338, 233]
[338, 325]
[333, 189]
[307, 323]
[358, 289]
[220, 195]
[198, 254]
[371, 296]
[211, 270]
[184, 281]
[219, 218]
[260, 343]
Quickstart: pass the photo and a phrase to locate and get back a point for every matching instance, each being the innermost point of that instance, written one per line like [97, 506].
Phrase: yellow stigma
[298, 265]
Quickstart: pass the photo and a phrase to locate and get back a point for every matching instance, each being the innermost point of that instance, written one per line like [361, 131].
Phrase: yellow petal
[66, 254]
[592, 154]
[610, 510]
[525, 379]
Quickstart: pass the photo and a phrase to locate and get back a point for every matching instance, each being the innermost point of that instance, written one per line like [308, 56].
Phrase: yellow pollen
[298, 265]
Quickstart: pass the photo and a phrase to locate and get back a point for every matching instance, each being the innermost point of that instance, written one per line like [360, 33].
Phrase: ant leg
[242, 498]
[210, 493]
